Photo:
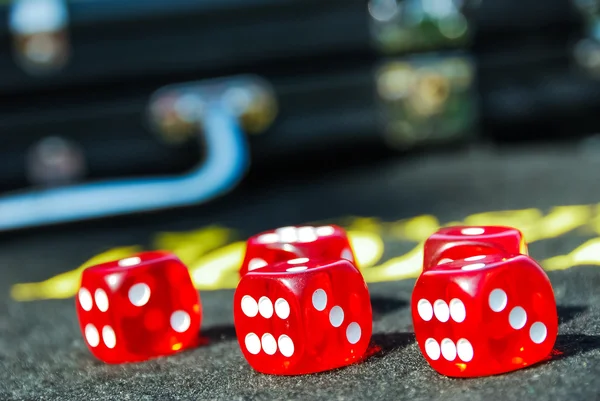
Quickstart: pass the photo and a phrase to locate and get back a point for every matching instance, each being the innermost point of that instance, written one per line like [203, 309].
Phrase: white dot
[538, 332]
[139, 294]
[325, 231]
[336, 316]
[319, 299]
[472, 231]
[108, 336]
[269, 238]
[180, 321]
[440, 308]
[475, 258]
[287, 234]
[252, 343]
[353, 333]
[297, 261]
[269, 345]
[114, 280]
[307, 234]
[130, 261]
[457, 310]
[473, 266]
[256, 263]
[101, 300]
[286, 345]
[91, 335]
[464, 350]
[85, 299]
[517, 318]
[497, 300]
[425, 309]
[432, 349]
[282, 308]
[347, 254]
[448, 349]
[445, 260]
[249, 306]
[297, 269]
[265, 307]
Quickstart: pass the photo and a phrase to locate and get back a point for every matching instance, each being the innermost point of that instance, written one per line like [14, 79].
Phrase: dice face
[484, 315]
[459, 242]
[325, 242]
[138, 308]
[302, 316]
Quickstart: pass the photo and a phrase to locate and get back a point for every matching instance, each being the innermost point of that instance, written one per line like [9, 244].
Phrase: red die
[326, 242]
[138, 308]
[484, 315]
[459, 242]
[293, 318]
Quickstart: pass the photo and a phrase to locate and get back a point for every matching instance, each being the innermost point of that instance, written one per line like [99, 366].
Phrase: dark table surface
[550, 191]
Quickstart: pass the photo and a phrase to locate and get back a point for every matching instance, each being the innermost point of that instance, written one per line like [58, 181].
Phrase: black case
[336, 74]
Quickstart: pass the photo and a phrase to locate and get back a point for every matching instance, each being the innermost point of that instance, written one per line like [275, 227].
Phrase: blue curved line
[227, 158]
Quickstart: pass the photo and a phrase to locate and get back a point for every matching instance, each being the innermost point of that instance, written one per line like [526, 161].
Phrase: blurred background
[120, 107]
[190, 125]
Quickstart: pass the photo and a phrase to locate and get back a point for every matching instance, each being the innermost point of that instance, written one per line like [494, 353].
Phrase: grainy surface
[43, 357]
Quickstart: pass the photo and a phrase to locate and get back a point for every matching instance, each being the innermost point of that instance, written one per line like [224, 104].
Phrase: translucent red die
[138, 308]
[294, 318]
[484, 315]
[459, 242]
[285, 243]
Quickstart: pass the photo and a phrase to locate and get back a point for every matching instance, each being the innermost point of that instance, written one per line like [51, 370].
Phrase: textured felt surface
[43, 357]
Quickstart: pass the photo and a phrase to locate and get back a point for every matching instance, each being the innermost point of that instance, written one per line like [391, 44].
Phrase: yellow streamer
[367, 247]
[406, 266]
[560, 221]
[219, 269]
[415, 229]
[364, 224]
[585, 254]
[532, 222]
[594, 224]
[189, 246]
[525, 220]
[214, 262]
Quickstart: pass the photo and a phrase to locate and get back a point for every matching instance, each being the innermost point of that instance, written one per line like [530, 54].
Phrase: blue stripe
[226, 161]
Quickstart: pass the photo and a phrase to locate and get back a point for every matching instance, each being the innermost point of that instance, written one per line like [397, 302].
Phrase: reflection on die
[459, 242]
[138, 308]
[325, 242]
[484, 315]
[302, 316]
